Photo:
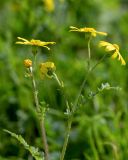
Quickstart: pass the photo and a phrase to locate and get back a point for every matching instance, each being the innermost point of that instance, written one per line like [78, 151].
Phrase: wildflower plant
[47, 70]
[73, 109]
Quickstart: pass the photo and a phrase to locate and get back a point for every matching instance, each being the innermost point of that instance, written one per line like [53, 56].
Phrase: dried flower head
[47, 69]
[27, 63]
[112, 48]
[34, 42]
[90, 30]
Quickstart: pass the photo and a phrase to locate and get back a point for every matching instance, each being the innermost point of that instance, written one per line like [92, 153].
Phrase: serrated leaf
[34, 151]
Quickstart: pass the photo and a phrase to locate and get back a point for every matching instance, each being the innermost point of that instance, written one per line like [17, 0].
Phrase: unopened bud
[27, 63]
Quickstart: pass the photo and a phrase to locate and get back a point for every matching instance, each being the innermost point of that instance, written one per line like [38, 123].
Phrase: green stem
[115, 150]
[42, 126]
[89, 52]
[35, 61]
[92, 143]
[70, 119]
[84, 82]
[66, 139]
[58, 81]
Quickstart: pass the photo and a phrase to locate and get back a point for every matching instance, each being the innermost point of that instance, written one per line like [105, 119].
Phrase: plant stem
[44, 138]
[58, 81]
[89, 52]
[92, 143]
[66, 139]
[84, 82]
[70, 119]
[42, 126]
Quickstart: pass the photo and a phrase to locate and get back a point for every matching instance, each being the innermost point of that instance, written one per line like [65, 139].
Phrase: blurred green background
[100, 127]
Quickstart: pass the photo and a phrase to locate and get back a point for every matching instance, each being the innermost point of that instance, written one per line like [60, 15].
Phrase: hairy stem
[42, 126]
[70, 119]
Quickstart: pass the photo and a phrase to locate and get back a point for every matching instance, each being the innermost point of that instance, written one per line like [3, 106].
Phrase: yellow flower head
[113, 48]
[27, 63]
[34, 42]
[85, 29]
[47, 69]
[49, 5]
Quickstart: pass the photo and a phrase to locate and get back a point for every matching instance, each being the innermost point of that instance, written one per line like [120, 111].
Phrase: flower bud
[27, 63]
[47, 69]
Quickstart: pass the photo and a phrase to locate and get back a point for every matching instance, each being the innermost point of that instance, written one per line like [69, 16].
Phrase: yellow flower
[85, 29]
[114, 48]
[47, 69]
[49, 5]
[34, 42]
[27, 63]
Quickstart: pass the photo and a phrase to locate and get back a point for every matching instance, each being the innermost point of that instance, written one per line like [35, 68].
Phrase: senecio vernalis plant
[47, 69]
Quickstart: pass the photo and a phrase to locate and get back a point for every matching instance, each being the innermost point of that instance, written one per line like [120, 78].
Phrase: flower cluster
[47, 69]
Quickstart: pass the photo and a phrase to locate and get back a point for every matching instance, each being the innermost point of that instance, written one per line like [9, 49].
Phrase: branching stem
[42, 126]
[70, 119]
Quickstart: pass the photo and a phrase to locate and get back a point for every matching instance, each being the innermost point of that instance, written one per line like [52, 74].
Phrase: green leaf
[34, 151]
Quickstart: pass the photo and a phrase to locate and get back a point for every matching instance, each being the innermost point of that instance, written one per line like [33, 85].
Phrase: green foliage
[102, 88]
[34, 151]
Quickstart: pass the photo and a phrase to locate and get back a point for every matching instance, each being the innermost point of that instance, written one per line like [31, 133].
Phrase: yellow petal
[72, 27]
[46, 47]
[23, 39]
[104, 43]
[50, 65]
[93, 34]
[115, 54]
[123, 61]
[120, 58]
[25, 43]
[19, 42]
[110, 48]
[46, 43]
[102, 33]
[116, 46]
